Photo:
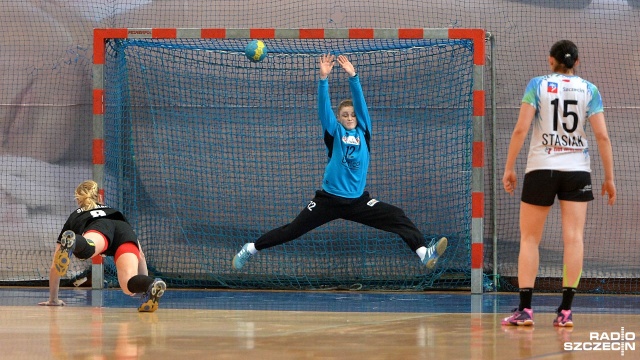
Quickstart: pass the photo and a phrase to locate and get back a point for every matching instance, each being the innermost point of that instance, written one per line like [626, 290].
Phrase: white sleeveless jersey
[563, 104]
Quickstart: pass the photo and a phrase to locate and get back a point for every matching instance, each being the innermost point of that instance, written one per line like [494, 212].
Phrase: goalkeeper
[94, 229]
[347, 138]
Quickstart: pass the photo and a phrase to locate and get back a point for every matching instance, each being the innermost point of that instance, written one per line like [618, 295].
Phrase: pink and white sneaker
[519, 318]
[563, 319]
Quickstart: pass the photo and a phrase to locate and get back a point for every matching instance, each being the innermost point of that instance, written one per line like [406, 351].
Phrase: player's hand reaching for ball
[56, 302]
[326, 64]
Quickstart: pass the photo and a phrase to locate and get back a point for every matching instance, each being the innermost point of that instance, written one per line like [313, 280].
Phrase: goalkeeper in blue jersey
[347, 138]
[93, 230]
[559, 105]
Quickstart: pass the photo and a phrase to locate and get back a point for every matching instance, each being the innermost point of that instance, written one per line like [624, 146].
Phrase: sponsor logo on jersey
[351, 140]
[552, 87]
[573, 89]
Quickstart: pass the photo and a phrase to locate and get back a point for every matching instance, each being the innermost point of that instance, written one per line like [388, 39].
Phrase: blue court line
[329, 301]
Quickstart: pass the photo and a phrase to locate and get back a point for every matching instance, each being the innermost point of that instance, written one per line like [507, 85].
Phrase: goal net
[204, 150]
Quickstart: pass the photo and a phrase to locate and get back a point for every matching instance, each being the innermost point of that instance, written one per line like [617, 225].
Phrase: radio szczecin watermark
[621, 341]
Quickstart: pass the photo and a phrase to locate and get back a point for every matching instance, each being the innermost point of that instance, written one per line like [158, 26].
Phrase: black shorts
[117, 233]
[540, 187]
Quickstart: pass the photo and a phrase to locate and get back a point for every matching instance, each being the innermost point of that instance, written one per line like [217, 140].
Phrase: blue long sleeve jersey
[346, 172]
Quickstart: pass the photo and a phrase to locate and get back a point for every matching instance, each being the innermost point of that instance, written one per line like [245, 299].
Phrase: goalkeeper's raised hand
[326, 64]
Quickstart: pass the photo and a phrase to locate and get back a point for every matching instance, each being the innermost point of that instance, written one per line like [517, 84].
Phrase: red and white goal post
[477, 95]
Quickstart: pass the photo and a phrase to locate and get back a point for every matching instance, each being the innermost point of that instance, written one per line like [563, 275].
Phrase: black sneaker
[150, 298]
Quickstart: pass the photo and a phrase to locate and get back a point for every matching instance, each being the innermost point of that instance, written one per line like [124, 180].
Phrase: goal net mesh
[206, 150]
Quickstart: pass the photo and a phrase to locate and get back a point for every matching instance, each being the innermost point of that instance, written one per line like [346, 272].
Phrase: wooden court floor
[104, 324]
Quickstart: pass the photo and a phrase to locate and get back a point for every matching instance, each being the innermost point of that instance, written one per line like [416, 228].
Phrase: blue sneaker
[519, 318]
[151, 297]
[433, 252]
[62, 256]
[564, 318]
[241, 257]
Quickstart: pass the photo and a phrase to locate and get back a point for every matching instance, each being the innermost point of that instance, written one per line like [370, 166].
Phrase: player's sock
[567, 298]
[422, 252]
[525, 298]
[251, 247]
[139, 283]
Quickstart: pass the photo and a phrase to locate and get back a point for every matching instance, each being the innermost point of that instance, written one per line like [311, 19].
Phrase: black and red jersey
[80, 219]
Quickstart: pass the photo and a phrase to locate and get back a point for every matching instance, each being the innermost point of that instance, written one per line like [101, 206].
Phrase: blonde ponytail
[87, 195]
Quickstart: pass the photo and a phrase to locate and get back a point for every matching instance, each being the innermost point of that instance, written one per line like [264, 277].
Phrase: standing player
[561, 103]
[95, 229]
[342, 195]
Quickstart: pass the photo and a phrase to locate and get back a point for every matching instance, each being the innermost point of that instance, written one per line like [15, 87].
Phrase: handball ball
[256, 50]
